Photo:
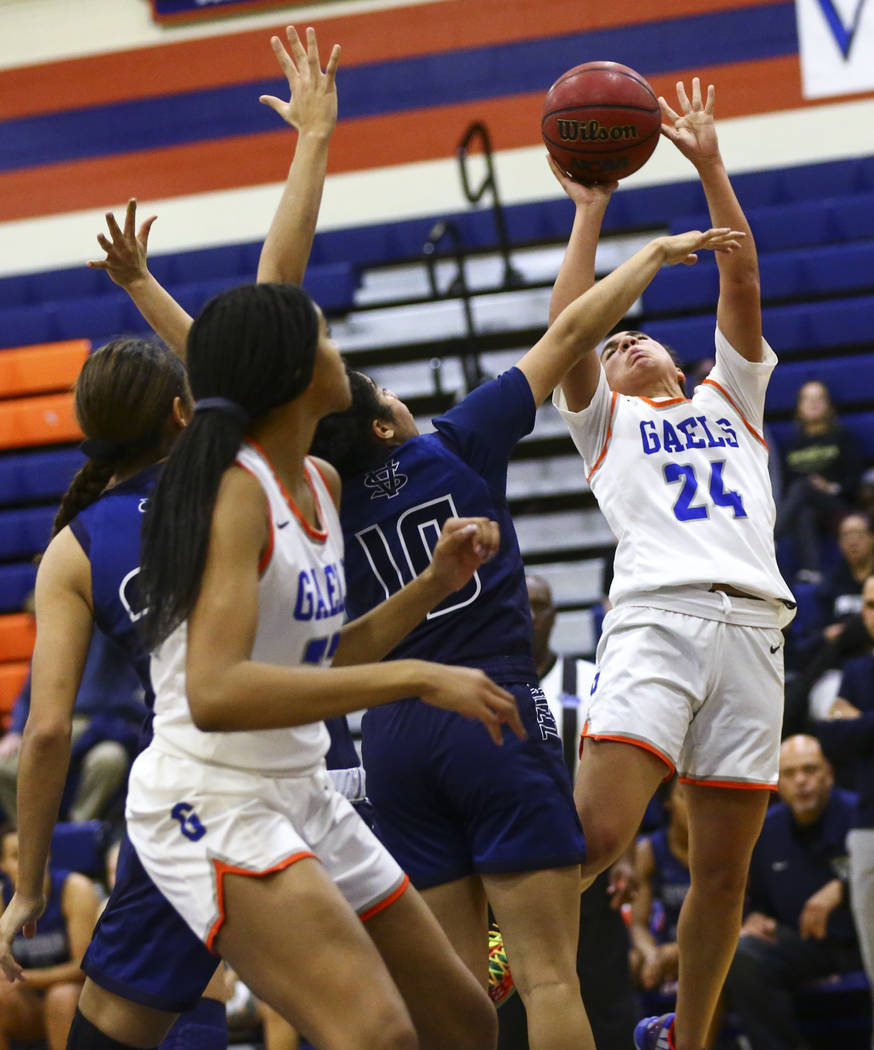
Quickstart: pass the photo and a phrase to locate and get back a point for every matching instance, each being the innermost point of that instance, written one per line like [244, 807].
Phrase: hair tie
[97, 448]
[222, 404]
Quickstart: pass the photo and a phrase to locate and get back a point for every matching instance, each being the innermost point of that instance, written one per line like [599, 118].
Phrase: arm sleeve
[590, 426]
[745, 382]
[485, 427]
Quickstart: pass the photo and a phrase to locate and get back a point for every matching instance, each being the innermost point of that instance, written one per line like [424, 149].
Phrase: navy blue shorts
[449, 802]
[142, 949]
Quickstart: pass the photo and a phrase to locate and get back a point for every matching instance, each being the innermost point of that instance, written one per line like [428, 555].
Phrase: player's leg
[724, 824]
[59, 1008]
[538, 913]
[421, 958]
[296, 943]
[120, 1022]
[614, 784]
[461, 909]
[21, 1015]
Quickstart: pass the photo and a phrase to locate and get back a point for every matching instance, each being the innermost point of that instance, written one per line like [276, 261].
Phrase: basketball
[600, 121]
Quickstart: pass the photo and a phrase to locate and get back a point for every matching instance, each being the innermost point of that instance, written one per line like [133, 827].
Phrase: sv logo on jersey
[189, 822]
[545, 719]
[386, 482]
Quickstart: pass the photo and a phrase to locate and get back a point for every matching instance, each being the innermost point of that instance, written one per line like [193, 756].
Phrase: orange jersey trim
[603, 452]
[665, 404]
[728, 398]
[386, 901]
[314, 533]
[736, 785]
[222, 869]
[267, 554]
[618, 739]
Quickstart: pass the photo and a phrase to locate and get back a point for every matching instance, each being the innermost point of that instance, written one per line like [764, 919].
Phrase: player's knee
[62, 998]
[86, 1036]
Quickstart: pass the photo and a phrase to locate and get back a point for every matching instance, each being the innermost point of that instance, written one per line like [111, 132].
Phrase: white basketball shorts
[706, 696]
[192, 823]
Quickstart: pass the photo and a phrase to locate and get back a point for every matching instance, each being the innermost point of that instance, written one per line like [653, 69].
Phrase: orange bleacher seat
[12, 676]
[41, 369]
[46, 420]
[17, 632]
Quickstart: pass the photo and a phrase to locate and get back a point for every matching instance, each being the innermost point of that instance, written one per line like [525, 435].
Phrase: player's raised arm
[312, 110]
[577, 330]
[693, 132]
[126, 263]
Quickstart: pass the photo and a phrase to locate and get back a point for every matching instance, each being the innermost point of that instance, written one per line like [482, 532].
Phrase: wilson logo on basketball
[594, 130]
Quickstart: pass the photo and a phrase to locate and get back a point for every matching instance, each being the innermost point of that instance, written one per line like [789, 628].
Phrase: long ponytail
[249, 350]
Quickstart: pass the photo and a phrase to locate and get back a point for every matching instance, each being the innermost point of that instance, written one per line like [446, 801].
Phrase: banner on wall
[836, 45]
[189, 10]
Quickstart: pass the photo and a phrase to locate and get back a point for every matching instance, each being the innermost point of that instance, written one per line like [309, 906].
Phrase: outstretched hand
[582, 193]
[19, 915]
[312, 106]
[127, 250]
[472, 694]
[681, 248]
[464, 544]
[692, 130]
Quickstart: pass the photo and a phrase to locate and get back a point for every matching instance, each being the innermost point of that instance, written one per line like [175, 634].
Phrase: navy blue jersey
[392, 516]
[109, 533]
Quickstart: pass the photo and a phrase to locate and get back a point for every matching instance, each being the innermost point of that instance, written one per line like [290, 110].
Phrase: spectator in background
[42, 1006]
[823, 465]
[602, 950]
[799, 926]
[848, 739]
[840, 596]
[107, 718]
[661, 861]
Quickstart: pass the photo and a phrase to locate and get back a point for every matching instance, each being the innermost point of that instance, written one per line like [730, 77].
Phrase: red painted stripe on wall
[192, 65]
[742, 90]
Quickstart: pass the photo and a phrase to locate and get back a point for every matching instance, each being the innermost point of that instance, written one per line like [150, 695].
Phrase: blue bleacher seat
[850, 380]
[16, 582]
[27, 477]
[25, 531]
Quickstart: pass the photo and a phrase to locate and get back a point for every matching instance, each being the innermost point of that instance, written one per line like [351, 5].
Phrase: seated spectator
[812, 691]
[42, 1006]
[822, 467]
[799, 926]
[661, 861]
[107, 718]
[847, 737]
[841, 592]
[838, 599]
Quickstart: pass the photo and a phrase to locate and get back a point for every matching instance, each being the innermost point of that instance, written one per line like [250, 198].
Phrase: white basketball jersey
[301, 603]
[684, 485]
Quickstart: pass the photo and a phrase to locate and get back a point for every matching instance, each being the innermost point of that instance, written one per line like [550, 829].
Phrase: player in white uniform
[690, 663]
[230, 808]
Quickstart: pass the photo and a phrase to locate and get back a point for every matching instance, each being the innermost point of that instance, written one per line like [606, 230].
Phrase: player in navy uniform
[472, 827]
